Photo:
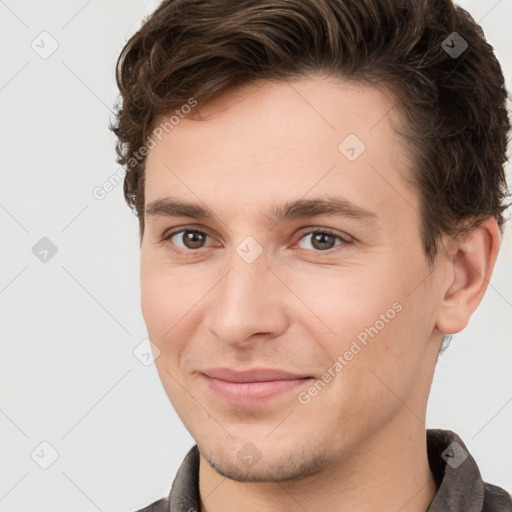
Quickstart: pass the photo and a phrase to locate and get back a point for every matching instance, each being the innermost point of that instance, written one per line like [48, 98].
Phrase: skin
[299, 306]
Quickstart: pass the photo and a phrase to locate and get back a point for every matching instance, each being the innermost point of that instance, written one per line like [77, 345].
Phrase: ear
[471, 262]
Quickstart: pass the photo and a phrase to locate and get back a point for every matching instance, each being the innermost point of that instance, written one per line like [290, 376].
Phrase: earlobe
[471, 263]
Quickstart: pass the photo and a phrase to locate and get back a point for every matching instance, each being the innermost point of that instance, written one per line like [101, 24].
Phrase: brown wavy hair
[453, 108]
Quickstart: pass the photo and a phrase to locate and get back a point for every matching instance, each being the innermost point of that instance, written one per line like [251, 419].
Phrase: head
[339, 166]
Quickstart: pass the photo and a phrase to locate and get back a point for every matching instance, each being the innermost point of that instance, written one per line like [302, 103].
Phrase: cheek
[155, 303]
[390, 363]
[342, 302]
[159, 304]
[164, 292]
[171, 302]
[365, 326]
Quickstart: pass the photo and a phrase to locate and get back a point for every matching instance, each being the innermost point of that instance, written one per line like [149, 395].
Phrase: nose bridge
[245, 302]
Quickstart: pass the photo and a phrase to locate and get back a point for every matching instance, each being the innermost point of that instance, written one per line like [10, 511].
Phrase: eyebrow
[299, 209]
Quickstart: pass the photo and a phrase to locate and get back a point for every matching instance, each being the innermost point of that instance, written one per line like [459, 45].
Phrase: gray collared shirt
[460, 485]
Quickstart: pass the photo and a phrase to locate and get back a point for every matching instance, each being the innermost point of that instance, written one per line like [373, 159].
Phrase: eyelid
[318, 229]
[171, 232]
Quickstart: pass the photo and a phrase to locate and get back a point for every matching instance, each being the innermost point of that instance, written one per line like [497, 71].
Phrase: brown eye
[188, 239]
[321, 240]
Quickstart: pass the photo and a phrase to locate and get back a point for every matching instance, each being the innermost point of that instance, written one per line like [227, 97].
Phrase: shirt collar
[460, 485]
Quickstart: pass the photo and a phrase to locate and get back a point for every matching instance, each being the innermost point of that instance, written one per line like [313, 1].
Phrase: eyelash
[343, 239]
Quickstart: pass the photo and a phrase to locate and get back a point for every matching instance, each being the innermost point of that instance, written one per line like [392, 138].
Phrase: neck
[388, 472]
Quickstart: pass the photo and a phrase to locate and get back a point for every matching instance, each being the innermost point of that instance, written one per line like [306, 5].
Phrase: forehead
[283, 140]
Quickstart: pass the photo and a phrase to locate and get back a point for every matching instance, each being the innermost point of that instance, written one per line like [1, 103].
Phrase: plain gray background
[69, 325]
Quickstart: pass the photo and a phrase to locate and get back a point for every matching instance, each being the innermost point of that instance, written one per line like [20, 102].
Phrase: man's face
[348, 296]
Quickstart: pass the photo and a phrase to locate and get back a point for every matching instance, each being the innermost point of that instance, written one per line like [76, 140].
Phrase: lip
[252, 387]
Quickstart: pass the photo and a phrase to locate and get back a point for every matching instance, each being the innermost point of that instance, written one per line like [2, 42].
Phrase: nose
[248, 301]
